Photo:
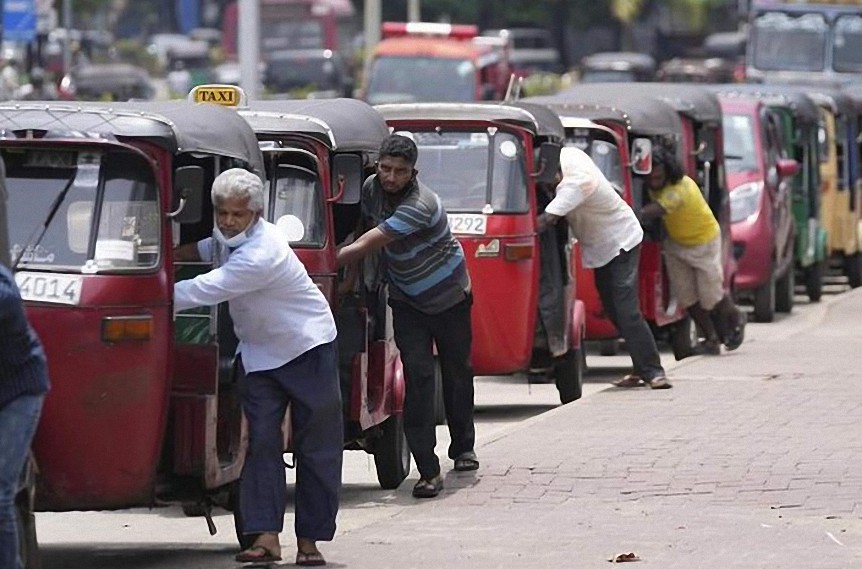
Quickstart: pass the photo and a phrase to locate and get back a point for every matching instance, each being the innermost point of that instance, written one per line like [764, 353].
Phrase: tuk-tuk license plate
[469, 223]
[46, 287]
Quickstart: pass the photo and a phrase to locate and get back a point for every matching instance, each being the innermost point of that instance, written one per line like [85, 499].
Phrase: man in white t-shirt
[286, 335]
[610, 235]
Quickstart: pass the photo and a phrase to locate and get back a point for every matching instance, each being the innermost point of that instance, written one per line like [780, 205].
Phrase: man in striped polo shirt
[429, 292]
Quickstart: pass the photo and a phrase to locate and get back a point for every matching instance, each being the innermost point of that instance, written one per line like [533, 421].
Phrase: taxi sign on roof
[224, 95]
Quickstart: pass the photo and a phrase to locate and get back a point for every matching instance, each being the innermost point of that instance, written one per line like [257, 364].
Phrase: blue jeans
[617, 284]
[18, 421]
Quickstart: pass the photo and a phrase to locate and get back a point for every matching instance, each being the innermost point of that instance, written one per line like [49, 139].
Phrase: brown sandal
[628, 381]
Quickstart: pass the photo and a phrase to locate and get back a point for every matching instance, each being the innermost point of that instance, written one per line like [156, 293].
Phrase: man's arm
[187, 252]
[369, 241]
[545, 220]
[650, 212]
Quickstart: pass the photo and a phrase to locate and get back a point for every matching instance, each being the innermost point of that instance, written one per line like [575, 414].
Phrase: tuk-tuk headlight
[745, 201]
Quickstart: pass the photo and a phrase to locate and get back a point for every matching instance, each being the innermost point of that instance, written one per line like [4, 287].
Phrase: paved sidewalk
[753, 460]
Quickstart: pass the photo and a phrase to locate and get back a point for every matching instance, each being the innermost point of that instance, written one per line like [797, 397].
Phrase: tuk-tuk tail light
[127, 328]
[518, 251]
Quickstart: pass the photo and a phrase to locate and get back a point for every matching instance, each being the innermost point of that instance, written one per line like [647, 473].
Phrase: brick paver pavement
[753, 460]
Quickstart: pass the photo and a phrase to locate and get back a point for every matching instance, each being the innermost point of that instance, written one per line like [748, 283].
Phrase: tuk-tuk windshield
[108, 219]
[739, 152]
[296, 204]
[455, 164]
[421, 79]
[605, 154]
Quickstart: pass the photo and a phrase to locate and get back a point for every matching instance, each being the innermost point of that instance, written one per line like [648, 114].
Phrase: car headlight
[745, 201]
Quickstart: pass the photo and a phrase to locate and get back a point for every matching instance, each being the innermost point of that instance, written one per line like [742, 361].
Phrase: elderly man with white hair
[610, 235]
[287, 348]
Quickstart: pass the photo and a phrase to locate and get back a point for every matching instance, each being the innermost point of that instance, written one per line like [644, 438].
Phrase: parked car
[616, 66]
[313, 73]
[759, 168]
[107, 82]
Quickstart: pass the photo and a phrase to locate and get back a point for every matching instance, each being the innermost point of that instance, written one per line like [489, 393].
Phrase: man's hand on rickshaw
[544, 220]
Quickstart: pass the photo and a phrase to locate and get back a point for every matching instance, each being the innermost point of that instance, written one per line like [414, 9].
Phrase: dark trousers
[310, 384]
[415, 334]
[617, 283]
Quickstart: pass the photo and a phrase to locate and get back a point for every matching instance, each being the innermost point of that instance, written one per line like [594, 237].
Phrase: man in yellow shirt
[692, 252]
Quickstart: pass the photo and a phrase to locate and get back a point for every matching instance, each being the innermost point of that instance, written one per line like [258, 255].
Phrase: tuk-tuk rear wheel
[814, 281]
[392, 454]
[785, 288]
[853, 269]
[569, 375]
[764, 300]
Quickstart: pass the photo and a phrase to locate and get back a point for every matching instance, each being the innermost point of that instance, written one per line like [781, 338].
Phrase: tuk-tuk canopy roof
[836, 99]
[641, 115]
[346, 125]
[538, 119]
[802, 107]
[694, 101]
[177, 126]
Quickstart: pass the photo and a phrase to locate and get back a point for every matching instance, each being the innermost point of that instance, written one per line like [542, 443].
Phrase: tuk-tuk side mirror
[787, 167]
[346, 178]
[642, 156]
[548, 164]
[188, 194]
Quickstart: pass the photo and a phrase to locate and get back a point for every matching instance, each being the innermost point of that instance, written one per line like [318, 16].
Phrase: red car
[762, 226]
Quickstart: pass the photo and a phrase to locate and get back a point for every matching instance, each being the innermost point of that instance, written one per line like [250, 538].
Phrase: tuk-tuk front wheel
[245, 540]
[569, 375]
[28, 546]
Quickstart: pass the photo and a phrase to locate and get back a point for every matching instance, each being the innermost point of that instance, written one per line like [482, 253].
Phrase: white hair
[240, 184]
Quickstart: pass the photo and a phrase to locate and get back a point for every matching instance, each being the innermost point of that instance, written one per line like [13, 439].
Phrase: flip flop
[628, 381]
[314, 559]
[257, 554]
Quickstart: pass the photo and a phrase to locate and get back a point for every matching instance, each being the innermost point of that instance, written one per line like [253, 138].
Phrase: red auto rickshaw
[317, 154]
[616, 134]
[98, 196]
[485, 161]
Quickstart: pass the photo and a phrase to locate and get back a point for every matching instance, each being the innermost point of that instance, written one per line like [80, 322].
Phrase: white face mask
[234, 241]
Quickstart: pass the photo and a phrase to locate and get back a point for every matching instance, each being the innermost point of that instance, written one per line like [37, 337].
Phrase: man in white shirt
[610, 235]
[286, 335]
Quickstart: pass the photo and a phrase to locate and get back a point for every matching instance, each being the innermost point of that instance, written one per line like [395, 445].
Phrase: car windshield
[848, 44]
[784, 42]
[299, 71]
[294, 203]
[421, 79]
[108, 221]
[281, 33]
[455, 165]
[607, 76]
[739, 152]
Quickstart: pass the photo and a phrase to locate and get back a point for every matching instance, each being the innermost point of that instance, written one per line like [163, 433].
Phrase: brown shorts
[695, 272]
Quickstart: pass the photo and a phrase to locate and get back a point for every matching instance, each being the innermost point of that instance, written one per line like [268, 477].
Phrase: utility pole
[414, 11]
[67, 45]
[248, 48]
[372, 24]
